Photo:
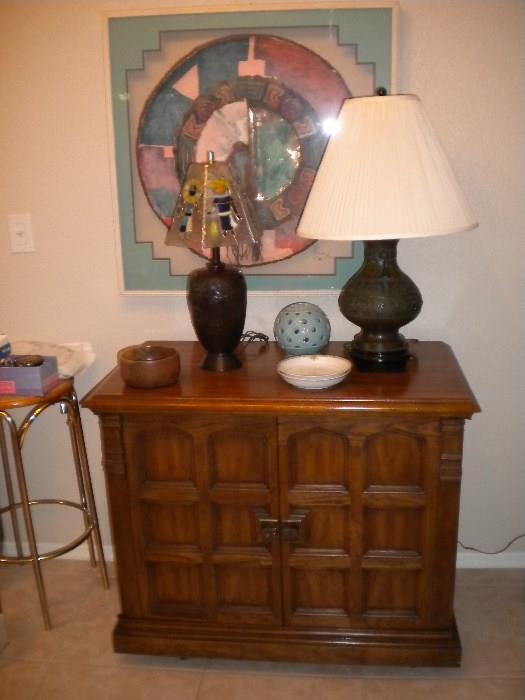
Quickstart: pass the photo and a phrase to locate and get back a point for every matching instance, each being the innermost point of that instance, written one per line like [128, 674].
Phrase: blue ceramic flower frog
[301, 328]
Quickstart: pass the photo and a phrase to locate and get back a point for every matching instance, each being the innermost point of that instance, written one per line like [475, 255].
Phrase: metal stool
[64, 395]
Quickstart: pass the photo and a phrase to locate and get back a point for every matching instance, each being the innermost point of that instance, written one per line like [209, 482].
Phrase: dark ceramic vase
[217, 302]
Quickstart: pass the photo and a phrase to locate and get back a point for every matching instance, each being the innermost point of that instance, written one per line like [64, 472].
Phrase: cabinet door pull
[293, 528]
[268, 528]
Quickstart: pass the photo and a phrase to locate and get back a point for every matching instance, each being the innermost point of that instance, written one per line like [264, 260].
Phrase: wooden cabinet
[255, 520]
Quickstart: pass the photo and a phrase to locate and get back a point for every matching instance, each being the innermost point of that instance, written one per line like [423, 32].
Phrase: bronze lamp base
[379, 298]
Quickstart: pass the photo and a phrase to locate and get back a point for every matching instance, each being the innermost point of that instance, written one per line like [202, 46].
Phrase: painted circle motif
[274, 144]
[257, 101]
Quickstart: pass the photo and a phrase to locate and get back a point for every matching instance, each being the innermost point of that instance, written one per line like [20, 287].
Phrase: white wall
[465, 59]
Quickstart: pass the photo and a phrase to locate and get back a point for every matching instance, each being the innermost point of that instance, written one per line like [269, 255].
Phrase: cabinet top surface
[432, 383]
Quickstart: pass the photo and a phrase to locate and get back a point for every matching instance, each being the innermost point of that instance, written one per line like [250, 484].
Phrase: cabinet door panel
[241, 465]
[400, 462]
[165, 454]
[392, 529]
[175, 589]
[170, 523]
[394, 459]
[236, 458]
[195, 482]
[316, 478]
[242, 587]
[366, 554]
[392, 592]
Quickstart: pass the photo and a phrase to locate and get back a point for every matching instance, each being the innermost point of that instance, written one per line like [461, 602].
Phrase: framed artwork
[259, 88]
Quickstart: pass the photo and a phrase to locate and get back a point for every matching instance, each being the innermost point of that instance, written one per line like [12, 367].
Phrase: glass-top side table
[12, 437]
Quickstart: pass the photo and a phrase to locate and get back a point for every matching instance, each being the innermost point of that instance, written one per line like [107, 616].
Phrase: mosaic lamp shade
[384, 176]
[211, 213]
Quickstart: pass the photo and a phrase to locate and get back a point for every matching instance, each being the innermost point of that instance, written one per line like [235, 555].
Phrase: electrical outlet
[21, 233]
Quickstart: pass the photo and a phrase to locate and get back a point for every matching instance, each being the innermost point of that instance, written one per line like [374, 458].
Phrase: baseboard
[465, 560]
[505, 560]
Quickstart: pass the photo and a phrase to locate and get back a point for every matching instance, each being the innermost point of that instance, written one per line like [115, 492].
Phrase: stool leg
[9, 489]
[78, 434]
[28, 520]
[68, 411]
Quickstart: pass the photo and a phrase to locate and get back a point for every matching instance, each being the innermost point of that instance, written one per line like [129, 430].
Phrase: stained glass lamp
[213, 213]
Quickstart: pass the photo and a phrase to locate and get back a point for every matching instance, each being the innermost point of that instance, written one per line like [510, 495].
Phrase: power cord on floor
[498, 551]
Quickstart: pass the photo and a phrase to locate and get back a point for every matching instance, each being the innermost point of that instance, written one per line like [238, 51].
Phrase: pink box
[29, 381]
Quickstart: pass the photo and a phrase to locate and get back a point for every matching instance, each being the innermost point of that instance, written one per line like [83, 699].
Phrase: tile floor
[76, 661]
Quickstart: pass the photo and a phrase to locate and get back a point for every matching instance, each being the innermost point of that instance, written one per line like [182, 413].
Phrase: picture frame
[355, 39]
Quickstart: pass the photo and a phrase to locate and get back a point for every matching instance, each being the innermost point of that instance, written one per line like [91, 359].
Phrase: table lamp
[384, 176]
[211, 213]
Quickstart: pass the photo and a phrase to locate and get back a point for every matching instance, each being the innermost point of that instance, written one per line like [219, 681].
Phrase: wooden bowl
[148, 366]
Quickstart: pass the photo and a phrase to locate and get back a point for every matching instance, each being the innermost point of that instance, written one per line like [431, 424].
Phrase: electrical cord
[253, 336]
[498, 551]
[249, 337]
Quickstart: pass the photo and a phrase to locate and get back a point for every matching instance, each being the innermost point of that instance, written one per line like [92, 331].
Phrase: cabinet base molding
[399, 648]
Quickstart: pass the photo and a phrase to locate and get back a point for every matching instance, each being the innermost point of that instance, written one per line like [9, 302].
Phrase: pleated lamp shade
[384, 175]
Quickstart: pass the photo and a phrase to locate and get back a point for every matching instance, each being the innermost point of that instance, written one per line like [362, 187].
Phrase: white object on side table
[72, 358]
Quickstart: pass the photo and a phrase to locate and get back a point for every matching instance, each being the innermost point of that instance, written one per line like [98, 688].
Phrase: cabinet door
[366, 491]
[200, 487]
